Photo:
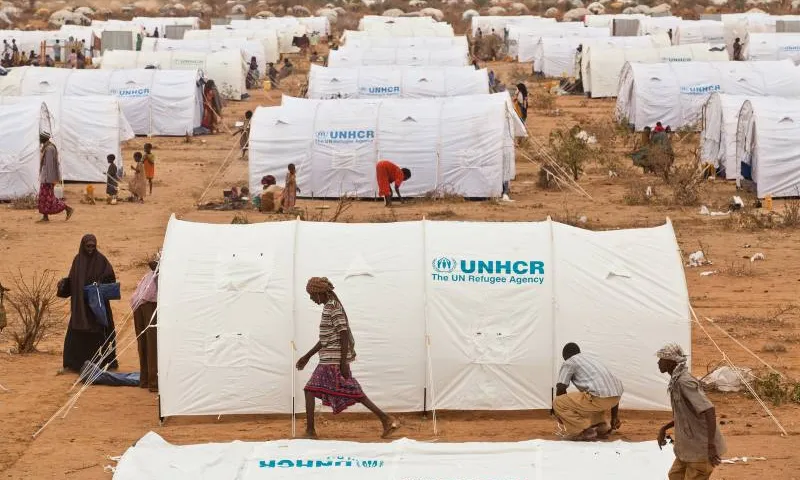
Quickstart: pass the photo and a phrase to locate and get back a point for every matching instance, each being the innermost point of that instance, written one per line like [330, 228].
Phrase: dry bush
[749, 219]
[443, 194]
[686, 182]
[777, 390]
[31, 304]
[240, 219]
[145, 260]
[773, 347]
[343, 204]
[517, 75]
[540, 99]
[739, 269]
[445, 214]
[791, 213]
[565, 151]
[27, 202]
[637, 193]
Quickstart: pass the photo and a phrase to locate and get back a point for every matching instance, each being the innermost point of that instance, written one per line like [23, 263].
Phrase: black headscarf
[522, 89]
[86, 269]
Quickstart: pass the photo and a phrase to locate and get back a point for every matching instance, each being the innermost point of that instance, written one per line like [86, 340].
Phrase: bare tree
[33, 302]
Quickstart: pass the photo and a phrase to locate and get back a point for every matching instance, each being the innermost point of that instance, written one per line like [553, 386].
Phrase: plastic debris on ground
[705, 211]
[758, 256]
[741, 459]
[709, 273]
[726, 379]
[697, 259]
[586, 138]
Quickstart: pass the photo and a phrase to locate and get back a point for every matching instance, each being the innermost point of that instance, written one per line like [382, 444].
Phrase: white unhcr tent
[766, 140]
[607, 20]
[161, 23]
[85, 130]
[357, 39]
[459, 145]
[652, 25]
[772, 46]
[250, 48]
[393, 81]
[602, 65]
[500, 23]
[674, 93]
[20, 126]
[699, 31]
[556, 56]
[286, 28]
[495, 301]
[529, 42]
[718, 137]
[404, 27]
[456, 56]
[226, 67]
[269, 38]
[155, 102]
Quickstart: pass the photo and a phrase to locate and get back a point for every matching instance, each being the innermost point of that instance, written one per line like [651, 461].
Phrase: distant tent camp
[453, 56]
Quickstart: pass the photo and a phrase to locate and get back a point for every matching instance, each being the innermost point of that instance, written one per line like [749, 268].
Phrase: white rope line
[551, 160]
[219, 170]
[739, 374]
[561, 172]
[89, 380]
[712, 322]
[433, 393]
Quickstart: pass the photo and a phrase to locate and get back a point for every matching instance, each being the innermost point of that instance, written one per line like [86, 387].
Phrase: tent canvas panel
[19, 148]
[382, 290]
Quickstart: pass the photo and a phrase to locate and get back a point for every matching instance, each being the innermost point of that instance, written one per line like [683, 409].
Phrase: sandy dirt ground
[745, 299]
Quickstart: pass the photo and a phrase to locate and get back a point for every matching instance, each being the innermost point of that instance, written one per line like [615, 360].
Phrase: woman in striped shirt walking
[332, 381]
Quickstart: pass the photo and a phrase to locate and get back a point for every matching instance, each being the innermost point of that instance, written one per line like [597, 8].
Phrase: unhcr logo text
[344, 136]
[329, 462]
[513, 272]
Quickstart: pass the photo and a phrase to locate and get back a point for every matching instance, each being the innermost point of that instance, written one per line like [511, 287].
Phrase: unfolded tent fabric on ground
[155, 102]
[457, 145]
[446, 315]
[453, 56]
[602, 65]
[155, 459]
[226, 67]
[766, 140]
[393, 81]
[20, 126]
[674, 93]
[85, 130]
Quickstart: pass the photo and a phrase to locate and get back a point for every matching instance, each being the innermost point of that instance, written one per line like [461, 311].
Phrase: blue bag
[96, 295]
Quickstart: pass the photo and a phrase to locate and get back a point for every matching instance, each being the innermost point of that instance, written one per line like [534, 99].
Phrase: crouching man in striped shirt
[583, 413]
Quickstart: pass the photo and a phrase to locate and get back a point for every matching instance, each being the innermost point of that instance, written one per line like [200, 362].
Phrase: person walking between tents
[737, 50]
[698, 441]
[138, 184]
[49, 176]
[244, 130]
[149, 160]
[144, 306]
[290, 190]
[88, 337]
[388, 173]
[211, 107]
[583, 413]
[112, 180]
[332, 382]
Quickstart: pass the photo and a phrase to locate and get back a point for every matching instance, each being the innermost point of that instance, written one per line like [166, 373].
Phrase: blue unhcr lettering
[304, 463]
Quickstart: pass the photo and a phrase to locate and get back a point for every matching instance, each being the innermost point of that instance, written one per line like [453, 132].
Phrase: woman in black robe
[85, 334]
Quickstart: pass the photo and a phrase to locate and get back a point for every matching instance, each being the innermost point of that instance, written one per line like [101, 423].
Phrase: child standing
[149, 165]
[112, 182]
[138, 185]
[289, 190]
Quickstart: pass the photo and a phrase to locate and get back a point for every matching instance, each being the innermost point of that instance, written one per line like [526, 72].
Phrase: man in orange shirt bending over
[389, 173]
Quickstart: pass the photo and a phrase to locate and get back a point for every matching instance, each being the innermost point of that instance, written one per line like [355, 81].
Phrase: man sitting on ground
[583, 413]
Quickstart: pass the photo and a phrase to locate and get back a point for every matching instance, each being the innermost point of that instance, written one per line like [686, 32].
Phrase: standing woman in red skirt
[332, 381]
[49, 176]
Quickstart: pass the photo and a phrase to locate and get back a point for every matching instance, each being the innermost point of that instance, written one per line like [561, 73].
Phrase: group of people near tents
[654, 153]
[76, 54]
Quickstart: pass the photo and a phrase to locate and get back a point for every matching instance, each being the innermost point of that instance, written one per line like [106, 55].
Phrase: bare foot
[312, 435]
[602, 429]
[70, 211]
[585, 436]
[389, 427]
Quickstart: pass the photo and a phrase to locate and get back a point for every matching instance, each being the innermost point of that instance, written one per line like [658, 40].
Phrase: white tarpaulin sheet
[607, 20]
[674, 93]
[402, 27]
[269, 38]
[227, 68]
[772, 46]
[155, 102]
[20, 126]
[393, 81]
[150, 24]
[153, 458]
[486, 309]
[556, 56]
[699, 31]
[767, 141]
[602, 65]
[85, 130]
[251, 48]
[458, 145]
[453, 56]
